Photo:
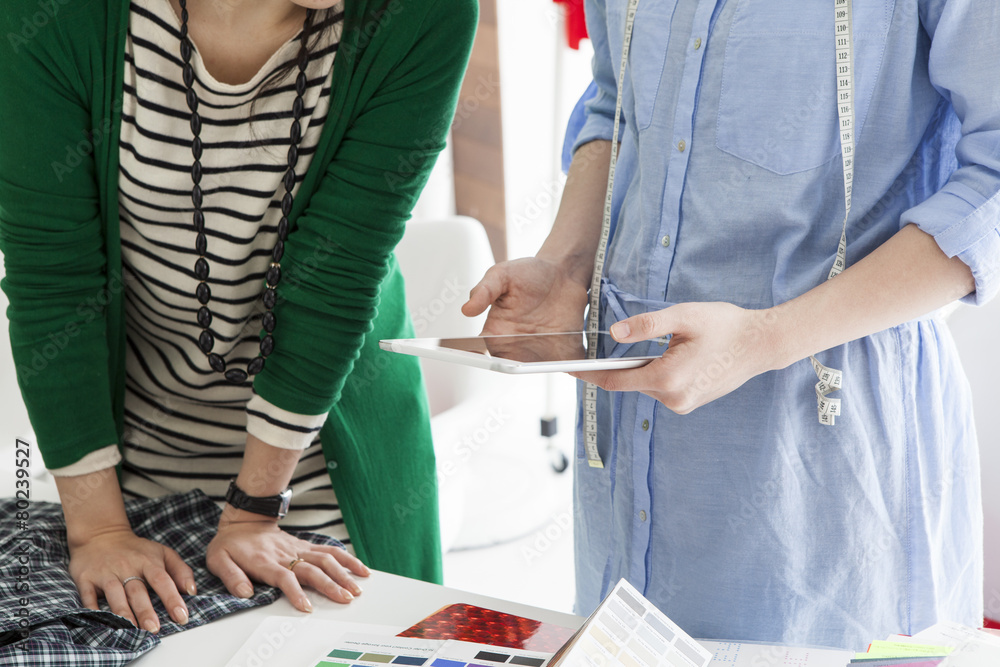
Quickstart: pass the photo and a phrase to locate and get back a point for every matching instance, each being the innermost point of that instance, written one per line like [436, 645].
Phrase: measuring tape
[829, 379]
[593, 315]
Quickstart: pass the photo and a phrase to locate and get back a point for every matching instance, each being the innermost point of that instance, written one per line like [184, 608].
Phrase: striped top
[185, 425]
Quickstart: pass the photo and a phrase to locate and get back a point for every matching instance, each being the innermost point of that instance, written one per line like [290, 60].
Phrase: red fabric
[990, 623]
[576, 24]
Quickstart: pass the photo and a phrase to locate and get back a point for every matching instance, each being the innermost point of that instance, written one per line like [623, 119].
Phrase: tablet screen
[537, 348]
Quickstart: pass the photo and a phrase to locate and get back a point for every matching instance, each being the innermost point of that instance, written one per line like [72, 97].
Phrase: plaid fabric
[42, 620]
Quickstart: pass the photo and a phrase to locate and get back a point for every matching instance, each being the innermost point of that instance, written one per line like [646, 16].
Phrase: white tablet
[523, 353]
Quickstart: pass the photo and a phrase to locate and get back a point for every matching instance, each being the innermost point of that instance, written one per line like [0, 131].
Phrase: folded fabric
[42, 619]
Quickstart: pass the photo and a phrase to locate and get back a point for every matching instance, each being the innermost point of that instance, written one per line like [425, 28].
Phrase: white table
[387, 600]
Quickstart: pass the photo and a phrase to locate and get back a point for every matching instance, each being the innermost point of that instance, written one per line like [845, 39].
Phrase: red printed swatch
[469, 623]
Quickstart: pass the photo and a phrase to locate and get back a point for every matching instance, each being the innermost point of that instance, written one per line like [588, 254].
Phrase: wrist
[234, 515]
[578, 265]
[266, 470]
[772, 325]
[92, 505]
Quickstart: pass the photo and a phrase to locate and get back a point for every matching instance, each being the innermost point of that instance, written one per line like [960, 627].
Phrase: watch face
[286, 500]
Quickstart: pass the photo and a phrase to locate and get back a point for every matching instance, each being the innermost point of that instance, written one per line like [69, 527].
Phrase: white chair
[441, 260]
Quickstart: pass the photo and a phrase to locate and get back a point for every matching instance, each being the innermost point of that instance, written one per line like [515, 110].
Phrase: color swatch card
[627, 630]
[363, 650]
[750, 654]
[973, 647]
[286, 641]
[358, 650]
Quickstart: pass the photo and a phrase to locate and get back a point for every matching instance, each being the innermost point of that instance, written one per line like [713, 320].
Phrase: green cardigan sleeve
[407, 65]
[51, 229]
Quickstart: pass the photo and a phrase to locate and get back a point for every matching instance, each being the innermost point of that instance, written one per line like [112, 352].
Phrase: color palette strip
[380, 658]
[627, 630]
[348, 657]
[369, 651]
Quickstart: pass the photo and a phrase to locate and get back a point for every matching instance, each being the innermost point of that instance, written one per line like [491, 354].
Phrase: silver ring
[132, 579]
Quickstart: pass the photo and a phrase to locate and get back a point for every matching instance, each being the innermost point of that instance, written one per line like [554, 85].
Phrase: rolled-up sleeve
[964, 216]
[599, 120]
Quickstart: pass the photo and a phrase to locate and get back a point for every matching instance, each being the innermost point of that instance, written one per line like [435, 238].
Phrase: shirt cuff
[964, 224]
[281, 428]
[102, 459]
[598, 124]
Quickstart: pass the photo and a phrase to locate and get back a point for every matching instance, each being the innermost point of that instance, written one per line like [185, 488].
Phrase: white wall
[536, 104]
[977, 331]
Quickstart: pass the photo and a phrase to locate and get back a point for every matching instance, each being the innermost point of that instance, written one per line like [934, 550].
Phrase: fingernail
[180, 613]
[244, 590]
[191, 590]
[365, 568]
[621, 330]
[356, 589]
[348, 597]
[307, 605]
[151, 626]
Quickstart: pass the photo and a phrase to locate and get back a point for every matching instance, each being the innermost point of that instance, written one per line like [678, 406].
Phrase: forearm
[906, 277]
[266, 471]
[92, 505]
[576, 230]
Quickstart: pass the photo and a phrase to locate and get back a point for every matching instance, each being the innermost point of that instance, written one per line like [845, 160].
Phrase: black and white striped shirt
[185, 425]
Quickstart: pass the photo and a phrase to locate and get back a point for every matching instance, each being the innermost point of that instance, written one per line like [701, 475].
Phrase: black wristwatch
[276, 506]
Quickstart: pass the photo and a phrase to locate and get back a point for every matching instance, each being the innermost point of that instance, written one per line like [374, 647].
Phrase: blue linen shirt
[747, 519]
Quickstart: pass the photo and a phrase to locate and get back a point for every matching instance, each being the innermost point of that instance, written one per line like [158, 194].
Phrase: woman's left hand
[714, 348]
[253, 548]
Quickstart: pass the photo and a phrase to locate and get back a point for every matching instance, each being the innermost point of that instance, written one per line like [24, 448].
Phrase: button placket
[682, 131]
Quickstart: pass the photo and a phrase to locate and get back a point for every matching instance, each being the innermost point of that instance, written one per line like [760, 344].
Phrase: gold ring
[295, 561]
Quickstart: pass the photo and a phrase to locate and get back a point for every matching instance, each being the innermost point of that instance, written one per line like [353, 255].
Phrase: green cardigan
[395, 86]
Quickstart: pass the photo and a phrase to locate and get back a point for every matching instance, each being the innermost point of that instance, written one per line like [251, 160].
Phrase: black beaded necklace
[206, 341]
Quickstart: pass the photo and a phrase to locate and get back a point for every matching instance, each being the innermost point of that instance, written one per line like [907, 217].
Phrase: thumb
[486, 291]
[645, 326]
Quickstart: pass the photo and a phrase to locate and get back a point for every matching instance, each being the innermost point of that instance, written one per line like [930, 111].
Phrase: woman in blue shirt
[722, 496]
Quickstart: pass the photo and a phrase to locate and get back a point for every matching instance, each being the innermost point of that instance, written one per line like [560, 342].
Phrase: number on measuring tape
[830, 379]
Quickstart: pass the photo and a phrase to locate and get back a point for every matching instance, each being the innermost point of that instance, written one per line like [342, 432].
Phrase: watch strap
[273, 506]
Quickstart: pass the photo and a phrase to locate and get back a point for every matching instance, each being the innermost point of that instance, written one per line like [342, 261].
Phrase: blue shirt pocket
[647, 55]
[777, 104]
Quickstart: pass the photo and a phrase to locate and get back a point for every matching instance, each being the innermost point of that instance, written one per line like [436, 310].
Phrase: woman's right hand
[103, 560]
[530, 295]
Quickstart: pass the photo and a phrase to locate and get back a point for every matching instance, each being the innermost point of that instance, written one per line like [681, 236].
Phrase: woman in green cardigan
[199, 200]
